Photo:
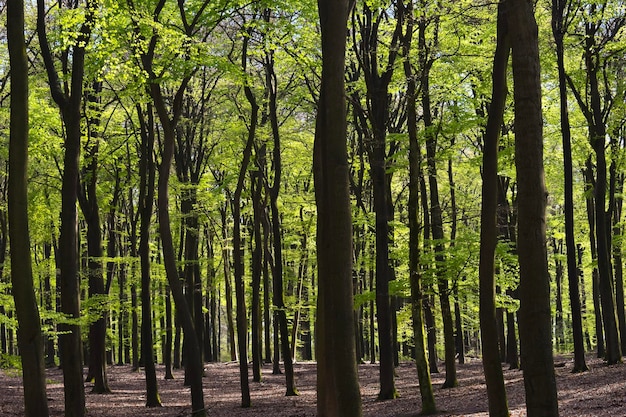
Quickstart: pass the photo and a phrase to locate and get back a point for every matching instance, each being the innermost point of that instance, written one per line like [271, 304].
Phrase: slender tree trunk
[29, 337]
[496, 392]
[558, 31]
[337, 379]
[559, 329]
[512, 356]
[228, 288]
[257, 265]
[423, 372]
[590, 204]
[428, 300]
[88, 200]
[167, 348]
[535, 331]
[242, 324]
[618, 189]
[49, 342]
[280, 314]
[147, 176]
[436, 212]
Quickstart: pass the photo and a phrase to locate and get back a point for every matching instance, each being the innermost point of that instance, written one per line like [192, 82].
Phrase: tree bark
[534, 314]
[70, 104]
[435, 209]
[29, 337]
[558, 31]
[337, 379]
[423, 372]
[496, 392]
[147, 176]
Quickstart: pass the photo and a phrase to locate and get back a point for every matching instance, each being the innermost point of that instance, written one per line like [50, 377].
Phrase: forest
[271, 186]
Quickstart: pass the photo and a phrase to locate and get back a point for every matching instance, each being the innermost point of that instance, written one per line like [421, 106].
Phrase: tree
[88, 199]
[378, 77]
[561, 10]
[494, 378]
[596, 106]
[436, 223]
[534, 315]
[67, 93]
[169, 116]
[337, 380]
[29, 337]
[147, 174]
[415, 273]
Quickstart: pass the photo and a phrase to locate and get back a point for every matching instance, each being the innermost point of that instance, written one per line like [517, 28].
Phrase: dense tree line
[222, 180]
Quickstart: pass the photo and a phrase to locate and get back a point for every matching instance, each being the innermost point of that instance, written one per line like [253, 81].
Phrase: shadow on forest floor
[599, 392]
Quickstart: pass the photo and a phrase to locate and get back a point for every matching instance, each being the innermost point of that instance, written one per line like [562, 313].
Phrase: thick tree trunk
[496, 392]
[29, 337]
[535, 330]
[337, 379]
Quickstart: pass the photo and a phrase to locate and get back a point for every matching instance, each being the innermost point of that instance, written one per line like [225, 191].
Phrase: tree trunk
[88, 200]
[242, 323]
[228, 288]
[29, 337]
[423, 372]
[558, 31]
[70, 105]
[280, 314]
[491, 319]
[337, 379]
[147, 176]
[436, 212]
[257, 265]
[590, 205]
[534, 314]
[428, 300]
[496, 392]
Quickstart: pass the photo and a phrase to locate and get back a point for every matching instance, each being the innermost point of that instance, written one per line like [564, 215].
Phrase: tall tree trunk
[280, 313]
[617, 189]
[49, 342]
[592, 108]
[558, 31]
[88, 199]
[377, 83]
[423, 372]
[29, 336]
[242, 323]
[257, 265]
[535, 331]
[230, 326]
[70, 105]
[559, 329]
[147, 176]
[435, 210]
[595, 278]
[337, 379]
[428, 300]
[496, 392]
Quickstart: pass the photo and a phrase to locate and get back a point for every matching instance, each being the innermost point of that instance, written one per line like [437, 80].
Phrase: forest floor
[599, 392]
